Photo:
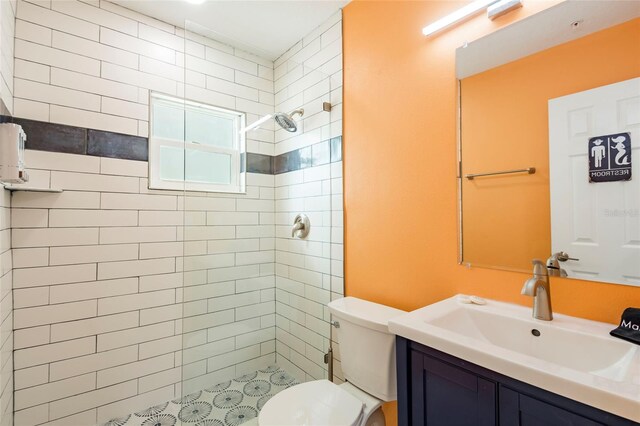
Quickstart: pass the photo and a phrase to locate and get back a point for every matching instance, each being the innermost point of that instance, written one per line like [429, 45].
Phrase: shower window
[195, 146]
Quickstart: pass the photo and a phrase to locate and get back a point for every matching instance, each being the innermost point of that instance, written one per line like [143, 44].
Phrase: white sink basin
[572, 357]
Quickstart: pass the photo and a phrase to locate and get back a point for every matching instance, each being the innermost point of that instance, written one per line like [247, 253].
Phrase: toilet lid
[317, 403]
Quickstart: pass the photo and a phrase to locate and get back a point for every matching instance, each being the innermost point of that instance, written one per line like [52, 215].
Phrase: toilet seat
[316, 403]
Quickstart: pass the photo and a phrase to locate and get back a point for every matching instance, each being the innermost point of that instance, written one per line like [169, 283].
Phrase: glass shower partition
[254, 316]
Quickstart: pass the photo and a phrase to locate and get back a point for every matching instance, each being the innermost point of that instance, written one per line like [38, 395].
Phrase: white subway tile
[58, 58]
[58, 21]
[55, 95]
[161, 282]
[33, 376]
[93, 120]
[31, 71]
[94, 362]
[137, 78]
[109, 411]
[134, 268]
[225, 86]
[93, 49]
[209, 68]
[125, 108]
[32, 416]
[136, 45]
[161, 379]
[26, 258]
[140, 234]
[96, 15]
[156, 250]
[54, 237]
[162, 218]
[131, 302]
[83, 418]
[44, 393]
[116, 166]
[31, 32]
[64, 293]
[29, 218]
[138, 202]
[54, 352]
[29, 337]
[60, 218]
[29, 109]
[66, 162]
[93, 326]
[86, 400]
[133, 336]
[29, 297]
[91, 84]
[51, 275]
[89, 254]
[254, 81]
[134, 370]
[31, 317]
[231, 61]
[201, 322]
[161, 37]
[122, 11]
[93, 182]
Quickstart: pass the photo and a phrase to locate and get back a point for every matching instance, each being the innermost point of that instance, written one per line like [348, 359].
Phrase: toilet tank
[367, 349]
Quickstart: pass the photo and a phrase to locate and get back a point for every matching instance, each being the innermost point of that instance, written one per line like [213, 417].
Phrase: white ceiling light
[457, 16]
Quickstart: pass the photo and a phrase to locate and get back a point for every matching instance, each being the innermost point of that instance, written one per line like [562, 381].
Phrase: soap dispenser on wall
[12, 141]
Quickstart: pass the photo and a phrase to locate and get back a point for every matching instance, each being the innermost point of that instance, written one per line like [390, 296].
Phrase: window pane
[208, 129]
[171, 163]
[208, 167]
[168, 121]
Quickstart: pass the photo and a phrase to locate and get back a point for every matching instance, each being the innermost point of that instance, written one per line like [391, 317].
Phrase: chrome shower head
[286, 121]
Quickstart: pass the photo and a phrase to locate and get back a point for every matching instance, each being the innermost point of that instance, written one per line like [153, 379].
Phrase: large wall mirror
[550, 143]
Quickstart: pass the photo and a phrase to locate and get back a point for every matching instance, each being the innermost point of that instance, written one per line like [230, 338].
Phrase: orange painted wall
[516, 94]
[400, 167]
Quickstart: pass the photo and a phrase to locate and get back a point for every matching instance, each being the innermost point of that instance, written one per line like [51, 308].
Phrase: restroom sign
[610, 158]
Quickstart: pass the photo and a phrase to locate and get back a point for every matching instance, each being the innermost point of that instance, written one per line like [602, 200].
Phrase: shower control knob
[301, 226]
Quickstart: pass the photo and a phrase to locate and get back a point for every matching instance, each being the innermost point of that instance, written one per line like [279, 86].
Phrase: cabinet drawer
[445, 395]
[517, 409]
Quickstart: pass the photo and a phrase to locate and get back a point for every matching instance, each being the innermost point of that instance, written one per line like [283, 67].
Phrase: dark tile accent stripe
[287, 162]
[116, 145]
[43, 136]
[54, 137]
[259, 163]
[325, 152]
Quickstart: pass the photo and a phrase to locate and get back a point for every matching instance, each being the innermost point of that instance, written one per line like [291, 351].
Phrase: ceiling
[265, 27]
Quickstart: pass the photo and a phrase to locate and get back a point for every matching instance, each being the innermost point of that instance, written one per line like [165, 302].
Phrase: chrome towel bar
[529, 170]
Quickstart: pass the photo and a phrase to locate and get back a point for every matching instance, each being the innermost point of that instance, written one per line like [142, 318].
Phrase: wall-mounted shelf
[31, 189]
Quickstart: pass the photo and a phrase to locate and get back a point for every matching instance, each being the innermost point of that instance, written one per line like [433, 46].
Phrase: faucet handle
[564, 256]
[539, 267]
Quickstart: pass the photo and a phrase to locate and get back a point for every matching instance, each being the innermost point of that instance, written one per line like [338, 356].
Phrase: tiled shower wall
[7, 21]
[99, 292]
[309, 273]
[99, 318]
[102, 315]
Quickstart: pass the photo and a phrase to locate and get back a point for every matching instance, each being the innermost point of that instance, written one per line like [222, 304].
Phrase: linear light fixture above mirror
[497, 8]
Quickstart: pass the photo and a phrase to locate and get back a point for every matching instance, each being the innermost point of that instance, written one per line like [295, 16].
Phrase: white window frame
[237, 181]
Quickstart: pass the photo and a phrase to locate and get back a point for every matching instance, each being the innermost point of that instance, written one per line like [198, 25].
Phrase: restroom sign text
[610, 158]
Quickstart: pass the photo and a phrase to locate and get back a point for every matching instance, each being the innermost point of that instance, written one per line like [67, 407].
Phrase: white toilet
[368, 358]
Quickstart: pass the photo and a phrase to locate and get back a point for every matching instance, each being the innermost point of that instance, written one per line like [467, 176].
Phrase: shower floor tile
[229, 403]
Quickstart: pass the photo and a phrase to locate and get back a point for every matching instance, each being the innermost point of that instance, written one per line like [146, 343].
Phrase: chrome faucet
[538, 287]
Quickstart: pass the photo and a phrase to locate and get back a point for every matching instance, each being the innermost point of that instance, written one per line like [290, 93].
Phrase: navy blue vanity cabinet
[437, 389]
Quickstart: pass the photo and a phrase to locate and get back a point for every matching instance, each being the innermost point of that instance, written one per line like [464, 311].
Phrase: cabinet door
[517, 409]
[444, 395]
